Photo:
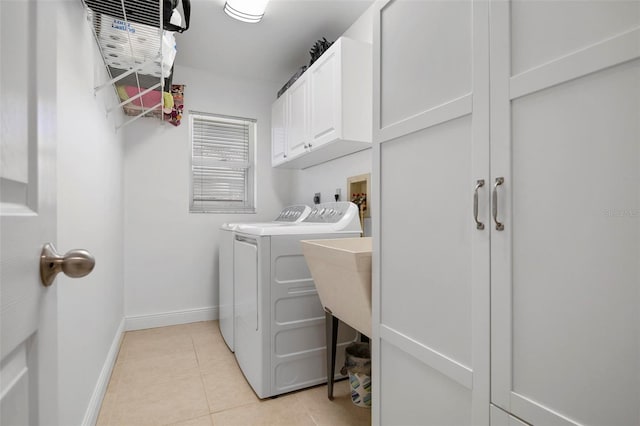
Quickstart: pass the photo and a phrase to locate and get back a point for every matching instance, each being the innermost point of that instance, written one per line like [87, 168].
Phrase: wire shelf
[137, 52]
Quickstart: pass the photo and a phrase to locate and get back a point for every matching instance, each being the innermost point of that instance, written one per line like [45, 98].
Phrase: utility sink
[341, 270]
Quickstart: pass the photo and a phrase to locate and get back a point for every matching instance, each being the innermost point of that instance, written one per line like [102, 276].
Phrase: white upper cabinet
[329, 107]
[298, 118]
[279, 131]
[325, 102]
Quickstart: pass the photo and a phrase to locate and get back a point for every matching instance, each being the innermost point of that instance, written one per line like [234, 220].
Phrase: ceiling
[271, 50]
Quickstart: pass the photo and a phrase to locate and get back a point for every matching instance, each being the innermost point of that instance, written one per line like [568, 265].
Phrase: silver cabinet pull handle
[499, 225]
[479, 184]
[75, 264]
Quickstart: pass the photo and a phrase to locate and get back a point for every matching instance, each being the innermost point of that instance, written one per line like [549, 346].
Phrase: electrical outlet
[316, 198]
[337, 194]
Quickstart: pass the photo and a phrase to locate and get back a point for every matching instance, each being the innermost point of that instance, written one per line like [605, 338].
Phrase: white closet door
[565, 271]
[431, 264]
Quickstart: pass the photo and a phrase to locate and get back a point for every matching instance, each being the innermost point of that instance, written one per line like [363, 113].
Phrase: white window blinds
[222, 163]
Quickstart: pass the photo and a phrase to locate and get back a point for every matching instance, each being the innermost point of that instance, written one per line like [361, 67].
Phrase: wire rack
[137, 53]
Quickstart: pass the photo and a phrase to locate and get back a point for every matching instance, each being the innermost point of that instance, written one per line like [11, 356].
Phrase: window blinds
[222, 164]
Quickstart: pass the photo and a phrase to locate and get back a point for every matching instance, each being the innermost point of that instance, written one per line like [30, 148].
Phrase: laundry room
[319, 212]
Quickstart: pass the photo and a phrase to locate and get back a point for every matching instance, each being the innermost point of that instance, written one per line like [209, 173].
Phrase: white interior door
[431, 262]
[565, 136]
[28, 348]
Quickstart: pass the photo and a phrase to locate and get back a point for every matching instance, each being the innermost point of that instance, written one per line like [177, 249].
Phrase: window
[222, 163]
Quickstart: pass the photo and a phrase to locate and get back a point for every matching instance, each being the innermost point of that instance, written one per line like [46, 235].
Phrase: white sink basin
[341, 270]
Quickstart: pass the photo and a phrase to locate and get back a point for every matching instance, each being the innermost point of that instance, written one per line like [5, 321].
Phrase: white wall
[326, 177]
[90, 203]
[362, 28]
[171, 262]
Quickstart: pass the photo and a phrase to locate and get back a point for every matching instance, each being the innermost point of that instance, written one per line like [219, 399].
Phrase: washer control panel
[328, 212]
[293, 213]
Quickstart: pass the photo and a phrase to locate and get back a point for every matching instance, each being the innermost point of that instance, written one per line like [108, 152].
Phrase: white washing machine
[288, 215]
[279, 320]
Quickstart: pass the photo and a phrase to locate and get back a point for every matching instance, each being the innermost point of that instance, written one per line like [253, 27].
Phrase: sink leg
[331, 327]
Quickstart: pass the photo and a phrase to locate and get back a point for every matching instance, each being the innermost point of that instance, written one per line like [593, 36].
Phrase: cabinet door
[431, 269]
[565, 126]
[298, 117]
[279, 131]
[325, 103]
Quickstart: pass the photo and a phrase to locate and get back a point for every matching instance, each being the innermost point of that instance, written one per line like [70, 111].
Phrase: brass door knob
[74, 264]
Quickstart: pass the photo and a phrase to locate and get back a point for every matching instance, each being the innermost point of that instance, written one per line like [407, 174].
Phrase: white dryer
[288, 215]
[279, 320]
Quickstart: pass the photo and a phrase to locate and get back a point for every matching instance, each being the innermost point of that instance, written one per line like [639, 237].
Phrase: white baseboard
[140, 322]
[91, 415]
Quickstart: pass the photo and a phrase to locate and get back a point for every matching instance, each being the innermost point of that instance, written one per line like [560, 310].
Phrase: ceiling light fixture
[250, 11]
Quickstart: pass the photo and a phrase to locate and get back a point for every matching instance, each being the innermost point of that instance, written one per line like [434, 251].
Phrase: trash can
[358, 364]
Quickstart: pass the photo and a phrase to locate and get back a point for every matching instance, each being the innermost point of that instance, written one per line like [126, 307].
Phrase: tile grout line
[184, 375]
[307, 411]
[187, 420]
[204, 387]
[237, 406]
[311, 417]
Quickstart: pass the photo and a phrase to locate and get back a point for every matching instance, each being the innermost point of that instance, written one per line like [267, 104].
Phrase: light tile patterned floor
[185, 375]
